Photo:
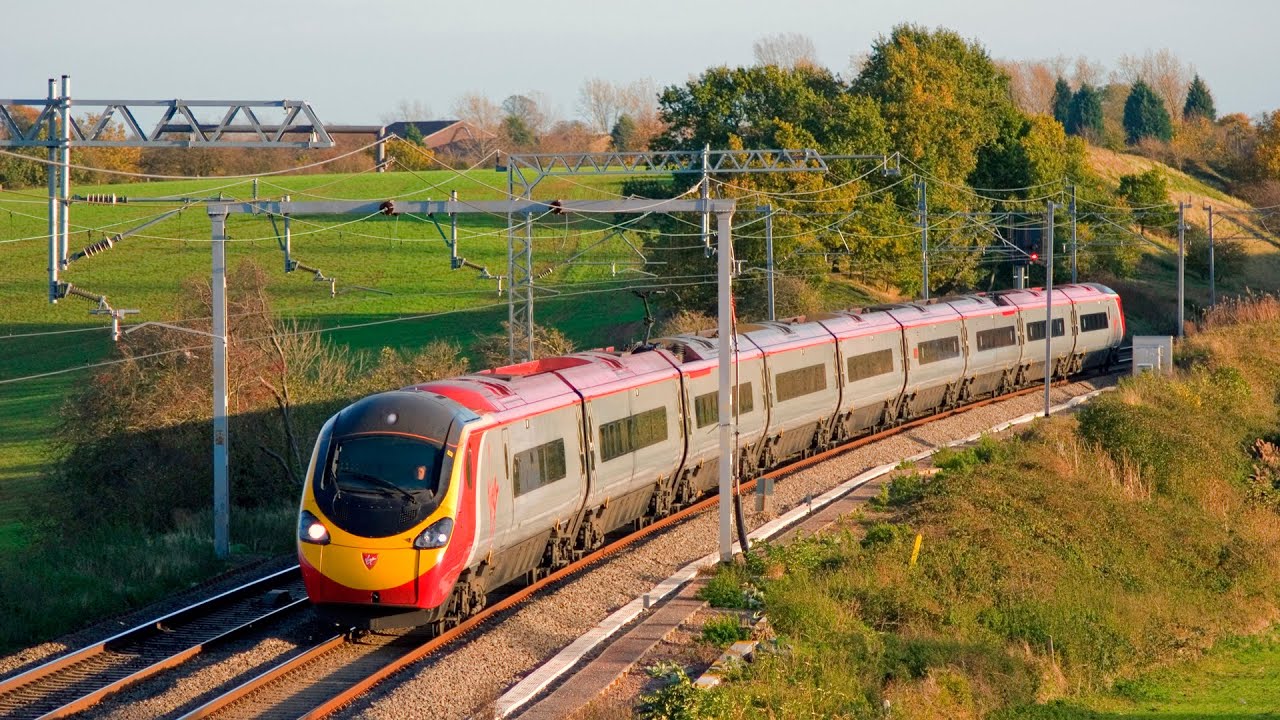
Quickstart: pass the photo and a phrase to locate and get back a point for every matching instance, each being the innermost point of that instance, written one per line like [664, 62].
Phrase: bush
[724, 630]
[726, 589]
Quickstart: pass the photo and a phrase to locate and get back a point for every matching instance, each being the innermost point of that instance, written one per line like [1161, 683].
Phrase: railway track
[81, 679]
[332, 673]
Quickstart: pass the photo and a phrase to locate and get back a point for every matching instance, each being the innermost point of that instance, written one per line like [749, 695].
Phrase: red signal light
[1035, 257]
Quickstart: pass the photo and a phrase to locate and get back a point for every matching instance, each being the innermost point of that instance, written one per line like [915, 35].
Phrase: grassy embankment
[1065, 572]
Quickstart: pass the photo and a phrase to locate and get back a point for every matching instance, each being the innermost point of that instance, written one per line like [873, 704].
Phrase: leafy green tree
[1148, 195]
[941, 96]
[1145, 115]
[518, 131]
[1085, 115]
[1061, 101]
[1199, 102]
[1034, 153]
[750, 103]
[412, 133]
[623, 133]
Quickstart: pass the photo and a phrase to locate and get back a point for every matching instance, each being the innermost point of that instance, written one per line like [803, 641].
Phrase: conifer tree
[1199, 102]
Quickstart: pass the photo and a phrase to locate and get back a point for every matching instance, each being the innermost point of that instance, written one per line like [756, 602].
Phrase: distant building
[440, 134]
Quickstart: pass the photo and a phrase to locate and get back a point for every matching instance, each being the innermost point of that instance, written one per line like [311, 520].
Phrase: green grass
[1238, 678]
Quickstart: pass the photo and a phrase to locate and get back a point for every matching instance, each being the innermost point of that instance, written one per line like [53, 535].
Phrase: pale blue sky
[355, 60]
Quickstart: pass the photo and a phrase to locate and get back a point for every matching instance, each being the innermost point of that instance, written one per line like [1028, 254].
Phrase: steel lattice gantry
[299, 128]
[120, 123]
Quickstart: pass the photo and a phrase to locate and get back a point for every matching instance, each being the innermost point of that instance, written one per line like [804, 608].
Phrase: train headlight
[435, 536]
[311, 530]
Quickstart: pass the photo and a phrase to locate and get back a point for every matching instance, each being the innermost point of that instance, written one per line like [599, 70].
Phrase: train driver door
[493, 491]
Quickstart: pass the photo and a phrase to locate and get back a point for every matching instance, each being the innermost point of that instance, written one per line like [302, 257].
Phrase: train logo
[370, 559]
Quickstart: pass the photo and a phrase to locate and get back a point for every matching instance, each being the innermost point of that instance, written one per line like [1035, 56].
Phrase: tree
[1031, 153]
[1162, 72]
[749, 105]
[1061, 101]
[1084, 117]
[1145, 115]
[517, 132]
[1148, 194]
[785, 50]
[412, 133]
[1032, 85]
[483, 114]
[941, 97]
[1199, 102]
[408, 110]
[623, 133]
[1267, 149]
[599, 101]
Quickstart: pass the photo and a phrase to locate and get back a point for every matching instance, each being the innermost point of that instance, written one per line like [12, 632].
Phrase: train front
[380, 538]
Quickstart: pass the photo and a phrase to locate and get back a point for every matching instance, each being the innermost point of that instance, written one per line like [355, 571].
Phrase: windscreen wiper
[382, 484]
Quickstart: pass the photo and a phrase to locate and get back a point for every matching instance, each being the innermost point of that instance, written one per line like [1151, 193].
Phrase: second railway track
[78, 680]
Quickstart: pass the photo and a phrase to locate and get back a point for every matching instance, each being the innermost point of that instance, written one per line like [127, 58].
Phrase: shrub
[723, 630]
[726, 588]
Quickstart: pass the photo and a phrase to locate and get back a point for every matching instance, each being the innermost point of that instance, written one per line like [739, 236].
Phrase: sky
[355, 61]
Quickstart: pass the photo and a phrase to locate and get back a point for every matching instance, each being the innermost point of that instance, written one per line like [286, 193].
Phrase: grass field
[1239, 678]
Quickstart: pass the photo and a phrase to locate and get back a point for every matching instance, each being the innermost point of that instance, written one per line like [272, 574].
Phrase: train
[419, 502]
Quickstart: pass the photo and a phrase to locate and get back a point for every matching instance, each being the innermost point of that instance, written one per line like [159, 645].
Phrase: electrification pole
[1073, 234]
[1048, 308]
[55, 260]
[64, 159]
[768, 251]
[1213, 290]
[1182, 267]
[221, 483]
[724, 262]
[706, 195]
[923, 209]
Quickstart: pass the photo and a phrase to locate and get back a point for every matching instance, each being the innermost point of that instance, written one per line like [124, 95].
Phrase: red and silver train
[420, 501]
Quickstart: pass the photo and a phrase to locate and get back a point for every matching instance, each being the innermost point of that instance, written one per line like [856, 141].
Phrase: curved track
[79, 680]
[332, 673]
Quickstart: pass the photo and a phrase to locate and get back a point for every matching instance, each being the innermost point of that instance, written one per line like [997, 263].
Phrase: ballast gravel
[466, 679]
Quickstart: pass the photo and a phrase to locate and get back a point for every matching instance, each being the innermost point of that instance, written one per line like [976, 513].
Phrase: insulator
[66, 289]
[102, 245]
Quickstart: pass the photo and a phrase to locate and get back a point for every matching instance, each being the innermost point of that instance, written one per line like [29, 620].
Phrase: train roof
[1062, 295]
[549, 382]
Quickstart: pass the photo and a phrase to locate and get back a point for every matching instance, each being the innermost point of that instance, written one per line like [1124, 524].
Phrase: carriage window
[632, 433]
[870, 365]
[1035, 330]
[932, 351]
[706, 407]
[538, 466]
[803, 381]
[996, 338]
[1093, 321]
